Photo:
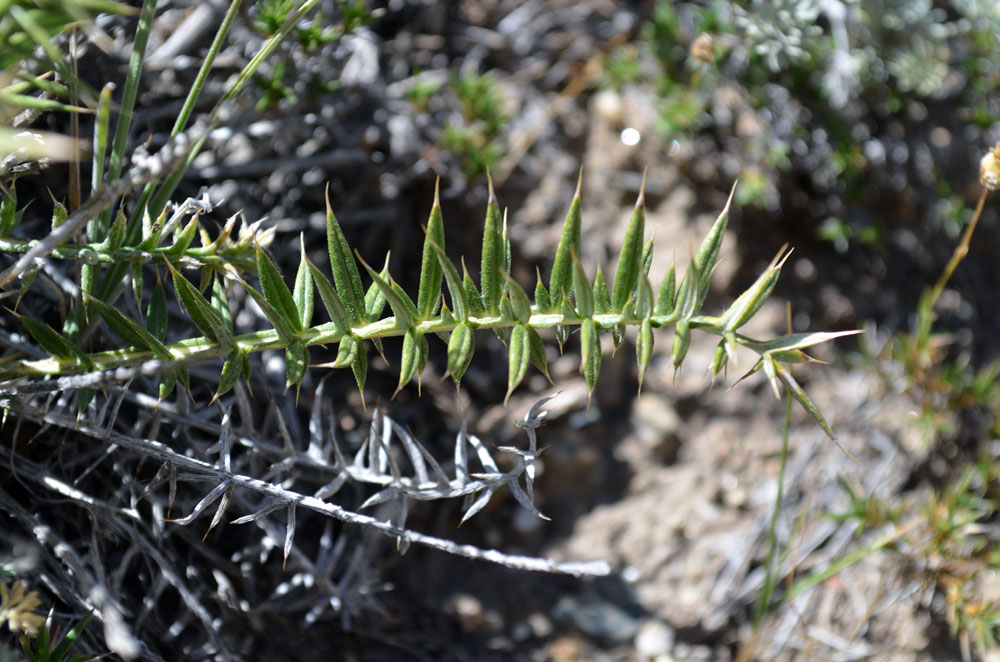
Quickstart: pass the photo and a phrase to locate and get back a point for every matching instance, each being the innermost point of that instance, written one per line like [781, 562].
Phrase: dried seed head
[989, 169]
[701, 48]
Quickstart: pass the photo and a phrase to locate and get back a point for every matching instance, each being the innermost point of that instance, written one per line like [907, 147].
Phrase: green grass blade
[127, 104]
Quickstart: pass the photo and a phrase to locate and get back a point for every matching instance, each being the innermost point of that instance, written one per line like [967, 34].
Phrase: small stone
[654, 640]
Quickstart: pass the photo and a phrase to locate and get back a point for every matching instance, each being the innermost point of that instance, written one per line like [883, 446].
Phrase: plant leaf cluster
[448, 304]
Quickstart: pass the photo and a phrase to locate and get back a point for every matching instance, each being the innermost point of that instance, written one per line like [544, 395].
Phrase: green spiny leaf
[88, 278]
[220, 303]
[276, 292]
[461, 346]
[708, 252]
[542, 299]
[476, 308]
[629, 259]
[520, 357]
[537, 353]
[156, 314]
[183, 238]
[303, 293]
[647, 256]
[431, 273]
[375, 297]
[682, 341]
[284, 330]
[51, 340]
[116, 236]
[602, 296]
[130, 331]
[408, 359]
[561, 279]
[797, 341]
[296, 362]
[644, 298]
[644, 349]
[458, 295]
[331, 300]
[583, 291]
[668, 292]
[719, 358]
[10, 217]
[167, 382]
[590, 353]
[151, 231]
[403, 310]
[492, 258]
[360, 368]
[137, 284]
[347, 351]
[519, 301]
[799, 394]
[200, 311]
[750, 301]
[345, 272]
[232, 367]
[687, 303]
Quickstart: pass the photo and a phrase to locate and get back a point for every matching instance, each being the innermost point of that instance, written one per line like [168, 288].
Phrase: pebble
[654, 641]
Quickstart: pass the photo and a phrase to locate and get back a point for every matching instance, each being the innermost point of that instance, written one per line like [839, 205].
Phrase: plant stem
[959, 254]
[772, 552]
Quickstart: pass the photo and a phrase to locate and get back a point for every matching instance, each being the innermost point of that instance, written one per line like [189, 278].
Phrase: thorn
[579, 183]
[732, 192]
[329, 209]
[437, 192]
[641, 200]
[489, 180]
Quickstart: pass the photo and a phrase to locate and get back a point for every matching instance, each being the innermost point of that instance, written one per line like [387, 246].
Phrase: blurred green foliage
[836, 96]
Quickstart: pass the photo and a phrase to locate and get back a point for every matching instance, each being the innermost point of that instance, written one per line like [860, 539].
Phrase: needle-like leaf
[561, 279]
[630, 257]
[345, 272]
